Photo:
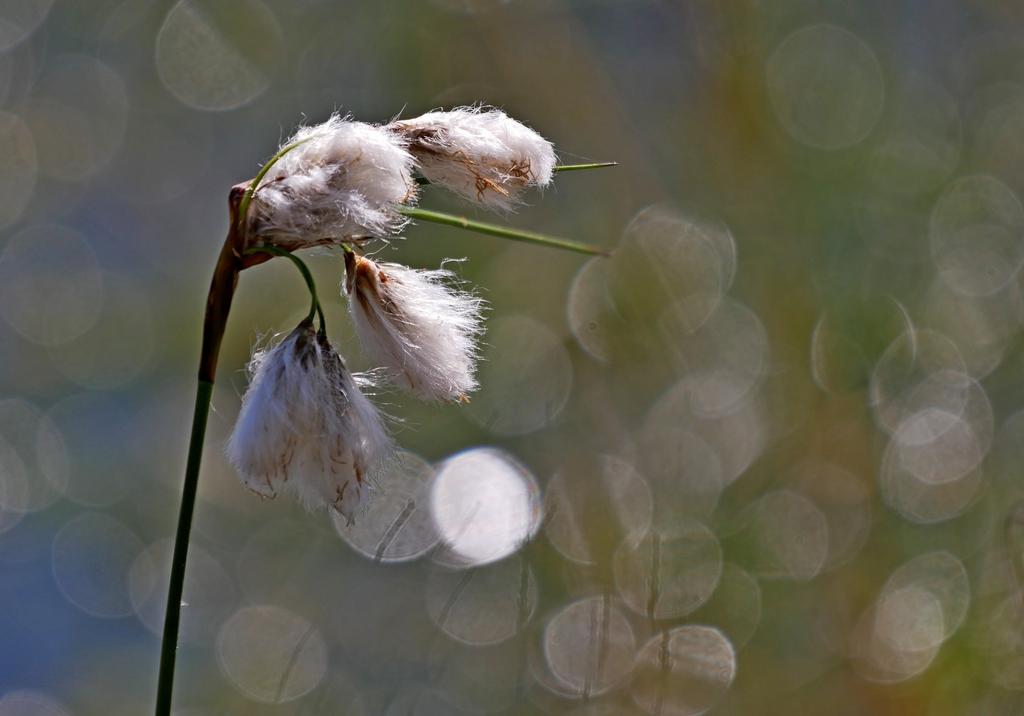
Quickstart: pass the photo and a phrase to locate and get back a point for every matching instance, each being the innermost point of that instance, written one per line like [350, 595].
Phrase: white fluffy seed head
[479, 153]
[416, 325]
[306, 427]
[342, 181]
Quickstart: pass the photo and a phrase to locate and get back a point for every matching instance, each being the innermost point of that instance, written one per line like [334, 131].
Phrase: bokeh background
[766, 459]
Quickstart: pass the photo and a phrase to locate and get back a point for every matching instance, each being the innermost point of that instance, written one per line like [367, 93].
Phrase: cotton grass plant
[307, 426]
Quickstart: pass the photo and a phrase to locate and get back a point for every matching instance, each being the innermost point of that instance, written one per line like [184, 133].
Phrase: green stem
[532, 237]
[584, 167]
[172, 617]
[314, 309]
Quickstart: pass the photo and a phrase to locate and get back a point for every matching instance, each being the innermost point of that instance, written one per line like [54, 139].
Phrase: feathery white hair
[415, 324]
[479, 153]
[306, 427]
[343, 180]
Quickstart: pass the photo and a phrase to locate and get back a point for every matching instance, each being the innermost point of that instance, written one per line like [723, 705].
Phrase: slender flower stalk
[306, 425]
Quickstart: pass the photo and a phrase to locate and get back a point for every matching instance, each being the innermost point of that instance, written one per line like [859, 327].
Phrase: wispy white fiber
[343, 181]
[480, 153]
[306, 427]
[416, 325]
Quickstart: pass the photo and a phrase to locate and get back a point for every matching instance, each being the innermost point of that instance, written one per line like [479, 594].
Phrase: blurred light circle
[14, 487]
[589, 306]
[982, 327]
[937, 446]
[209, 596]
[909, 619]
[920, 369]
[922, 140]
[18, 20]
[78, 116]
[117, 348]
[735, 606]
[34, 456]
[842, 353]
[589, 647]
[51, 286]
[24, 702]
[219, 55]
[484, 605]
[485, 506]
[898, 636]
[91, 557]
[944, 577]
[737, 437]
[845, 499]
[790, 536]
[683, 672]
[592, 505]
[526, 376]
[977, 235]
[722, 356]
[667, 575]
[825, 86]
[397, 525]
[664, 257]
[923, 501]
[271, 654]
[19, 169]
[89, 424]
[686, 473]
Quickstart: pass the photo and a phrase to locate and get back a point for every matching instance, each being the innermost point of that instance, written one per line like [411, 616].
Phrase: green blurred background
[766, 459]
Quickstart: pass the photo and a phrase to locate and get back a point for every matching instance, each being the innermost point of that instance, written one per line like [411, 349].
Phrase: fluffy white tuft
[343, 181]
[306, 427]
[479, 153]
[416, 325]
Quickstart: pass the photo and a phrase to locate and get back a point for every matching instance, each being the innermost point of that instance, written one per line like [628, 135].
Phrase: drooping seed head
[417, 325]
[306, 427]
[479, 153]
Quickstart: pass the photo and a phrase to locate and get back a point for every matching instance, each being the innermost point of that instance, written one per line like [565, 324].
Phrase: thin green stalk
[480, 227]
[314, 309]
[584, 167]
[168, 646]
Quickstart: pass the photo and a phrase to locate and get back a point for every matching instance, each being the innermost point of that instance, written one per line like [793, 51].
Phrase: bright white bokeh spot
[667, 575]
[271, 654]
[977, 235]
[396, 525]
[51, 286]
[589, 647]
[826, 87]
[217, 56]
[526, 377]
[209, 597]
[683, 672]
[483, 605]
[92, 556]
[485, 506]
